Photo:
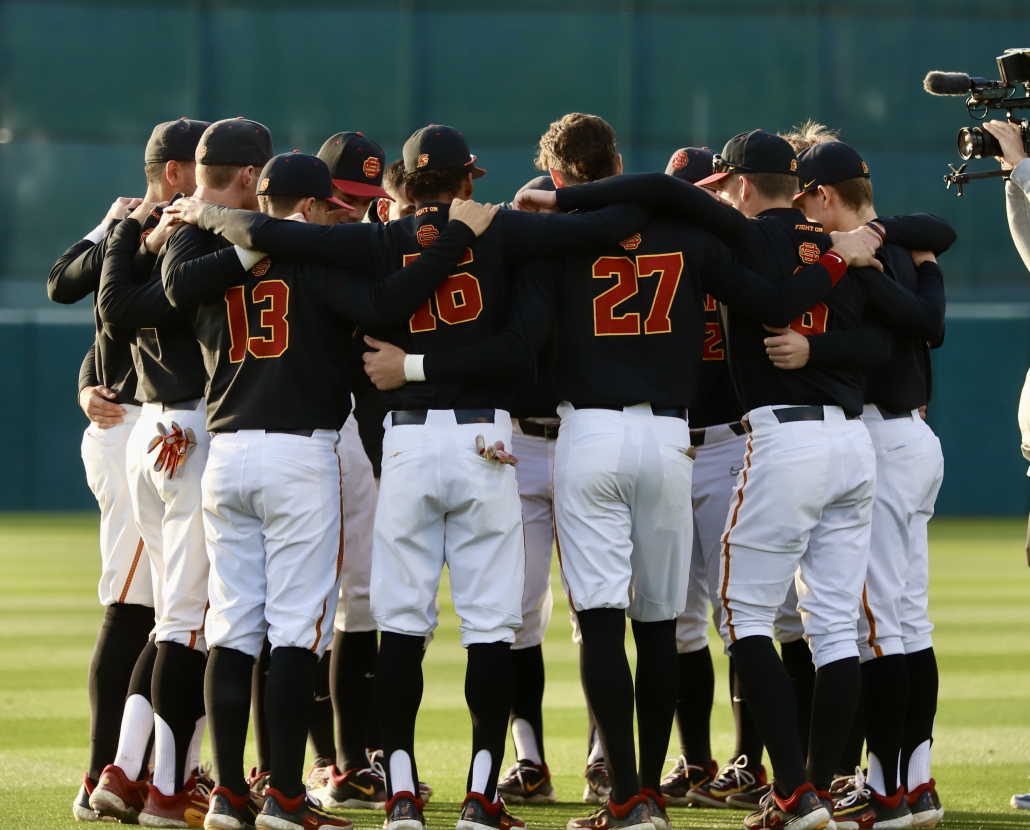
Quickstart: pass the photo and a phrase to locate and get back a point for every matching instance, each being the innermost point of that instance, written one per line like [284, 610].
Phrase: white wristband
[413, 367]
[98, 232]
[248, 258]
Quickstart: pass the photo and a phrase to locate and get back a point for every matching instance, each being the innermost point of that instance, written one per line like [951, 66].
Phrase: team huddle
[316, 380]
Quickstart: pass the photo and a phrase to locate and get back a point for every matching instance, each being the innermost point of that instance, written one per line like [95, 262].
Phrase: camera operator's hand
[919, 257]
[1010, 139]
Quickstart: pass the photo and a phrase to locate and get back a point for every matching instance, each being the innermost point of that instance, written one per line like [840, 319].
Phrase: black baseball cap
[753, 152]
[436, 148]
[174, 141]
[690, 164]
[829, 162]
[237, 142]
[300, 175]
[356, 163]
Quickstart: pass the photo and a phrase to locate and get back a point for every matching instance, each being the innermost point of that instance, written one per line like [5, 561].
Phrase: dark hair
[280, 206]
[393, 178]
[581, 147]
[218, 176]
[436, 185]
[774, 185]
[854, 193]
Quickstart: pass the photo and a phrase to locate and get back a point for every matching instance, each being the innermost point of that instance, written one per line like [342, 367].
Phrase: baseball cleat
[656, 807]
[230, 812]
[375, 761]
[599, 787]
[187, 808]
[827, 800]
[355, 789]
[926, 807]
[317, 777]
[1020, 802]
[802, 811]
[527, 783]
[81, 809]
[404, 812]
[479, 814]
[300, 813]
[842, 785]
[863, 809]
[118, 797]
[734, 779]
[258, 782]
[684, 777]
[635, 814]
[749, 800]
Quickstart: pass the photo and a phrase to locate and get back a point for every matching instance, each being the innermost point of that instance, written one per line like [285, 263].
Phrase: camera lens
[977, 143]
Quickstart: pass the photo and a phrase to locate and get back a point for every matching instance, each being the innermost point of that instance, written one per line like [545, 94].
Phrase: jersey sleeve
[122, 300]
[511, 352]
[666, 196]
[919, 232]
[88, 370]
[343, 246]
[776, 304]
[915, 315]
[536, 236]
[201, 279]
[862, 348]
[394, 299]
[77, 273]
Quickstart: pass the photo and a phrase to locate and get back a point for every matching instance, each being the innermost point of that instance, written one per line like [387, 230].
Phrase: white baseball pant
[273, 504]
[802, 504]
[441, 502]
[125, 572]
[621, 507]
[534, 474]
[168, 515]
[909, 472]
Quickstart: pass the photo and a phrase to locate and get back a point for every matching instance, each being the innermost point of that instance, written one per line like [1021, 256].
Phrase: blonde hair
[809, 133]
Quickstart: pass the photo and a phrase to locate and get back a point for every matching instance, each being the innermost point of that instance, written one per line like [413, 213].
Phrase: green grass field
[980, 602]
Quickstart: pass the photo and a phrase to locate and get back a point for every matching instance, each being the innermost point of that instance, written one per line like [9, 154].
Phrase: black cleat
[926, 805]
[230, 812]
[635, 814]
[527, 783]
[300, 813]
[599, 787]
[356, 789]
[479, 814]
[404, 812]
[802, 811]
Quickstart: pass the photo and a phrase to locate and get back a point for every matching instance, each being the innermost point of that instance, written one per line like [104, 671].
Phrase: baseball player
[273, 486]
[467, 512]
[121, 713]
[398, 205]
[622, 466]
[166, 454]
[899, 672]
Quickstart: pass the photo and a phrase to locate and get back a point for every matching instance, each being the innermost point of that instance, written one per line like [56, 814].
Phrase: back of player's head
[228, 145]
[292, 177]
[437, 162]
[393, 178]
[356, 163]
[766, 160]
[581, 147]
[837, 165]
[690, 164]
[809, 133]
[171, 141]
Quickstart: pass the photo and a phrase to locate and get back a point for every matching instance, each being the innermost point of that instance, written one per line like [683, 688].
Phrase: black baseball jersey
[274, 338]
[631, 316]
[716, 400]
[471, 305]
[776, 243]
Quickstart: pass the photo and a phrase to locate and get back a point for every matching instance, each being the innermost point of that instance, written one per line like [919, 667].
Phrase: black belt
[887, 415]
[790, 414]
[191, 403]
[417, 417]
[697, 436]
[668, 412]
[538, 430]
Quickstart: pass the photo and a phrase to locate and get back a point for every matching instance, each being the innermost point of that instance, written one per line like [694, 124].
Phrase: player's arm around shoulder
[197, 268]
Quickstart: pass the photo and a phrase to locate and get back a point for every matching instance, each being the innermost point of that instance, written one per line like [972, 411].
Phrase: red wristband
[835, 264]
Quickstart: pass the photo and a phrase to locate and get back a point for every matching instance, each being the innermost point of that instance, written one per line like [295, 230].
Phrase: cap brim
[478, 172]
[336, 201]
[715, 177]
[362, 189]
[799, 194]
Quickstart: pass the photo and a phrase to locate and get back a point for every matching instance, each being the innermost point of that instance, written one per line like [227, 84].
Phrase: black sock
[178, 696]
[591, 721]
[838, 686]
[141, 684]
[352, 681]
[694, 706]
[797, 660]
[609, 688]
[488, 679]
[885, 697]
[320, 734]
[770, 698]
[227, 697]
[922, 704]
[657, 684]
[398, 687]
[122, 637]
[259, 677]
[851, 757]
[527, 692]
[749, 740]
[289, 699]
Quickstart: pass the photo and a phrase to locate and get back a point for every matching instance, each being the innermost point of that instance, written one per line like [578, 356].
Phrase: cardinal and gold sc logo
[262, 267]
[264, 186]
[423, 160]
[809, 252]
[679, 161]
[793, 165]
[371, 167]
[426, 234]
[631, 243]
[865, 168]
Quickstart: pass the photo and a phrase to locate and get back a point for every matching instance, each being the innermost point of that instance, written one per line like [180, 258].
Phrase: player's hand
[157, 238]
[919, 257]
[121, 206]
[858, 248]
[189, 209]
[144, 208]
[922, 412]
[1010, 139]
[537, 201]
[476, 216]
[385, 366]
[788, 349]
[98, 404]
